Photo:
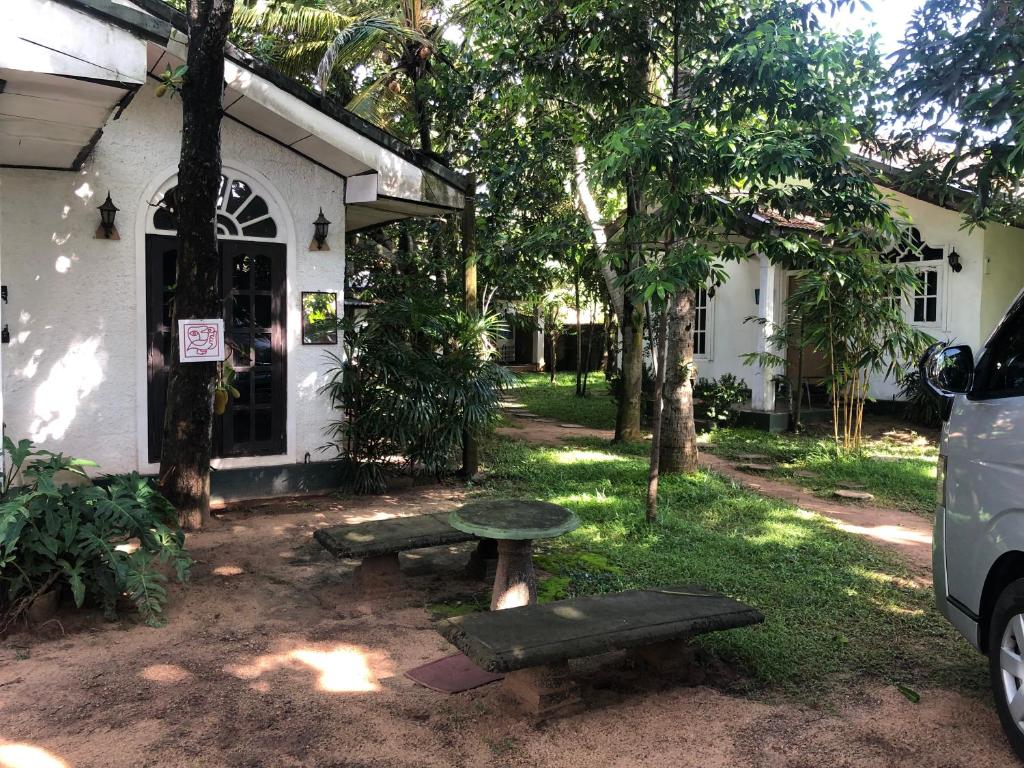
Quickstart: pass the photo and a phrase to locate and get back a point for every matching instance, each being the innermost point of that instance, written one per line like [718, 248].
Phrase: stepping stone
[751, 457]
[851, 486]
[756, 467]
[854, 495]
[569, 426]
[806, 474]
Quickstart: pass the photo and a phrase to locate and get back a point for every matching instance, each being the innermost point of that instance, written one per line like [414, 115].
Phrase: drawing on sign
[201, 340]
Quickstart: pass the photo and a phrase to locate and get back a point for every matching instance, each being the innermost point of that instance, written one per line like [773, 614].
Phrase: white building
[968, 278]
[85, 315]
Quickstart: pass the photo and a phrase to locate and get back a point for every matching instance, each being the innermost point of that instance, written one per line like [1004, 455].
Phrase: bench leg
[484, 561]
[676, 658]
[544, 692]
[378, 575]
[515, 582]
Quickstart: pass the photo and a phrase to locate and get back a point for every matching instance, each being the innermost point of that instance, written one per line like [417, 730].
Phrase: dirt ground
[268, 659]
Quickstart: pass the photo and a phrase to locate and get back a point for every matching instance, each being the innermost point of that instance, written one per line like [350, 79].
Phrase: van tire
[1009, 604]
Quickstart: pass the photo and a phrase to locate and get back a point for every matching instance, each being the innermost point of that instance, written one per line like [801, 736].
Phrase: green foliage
[558, 400]
[898, 473]
[959, 105]
[415, 379]
[717, 398]
[920, 404]
[99, 542]
[798, 568]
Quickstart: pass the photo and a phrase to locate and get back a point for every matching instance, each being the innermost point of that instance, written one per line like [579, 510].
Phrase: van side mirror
[948, 371]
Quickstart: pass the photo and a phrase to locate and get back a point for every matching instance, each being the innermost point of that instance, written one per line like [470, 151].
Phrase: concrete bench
[377, 544]
[533, 643]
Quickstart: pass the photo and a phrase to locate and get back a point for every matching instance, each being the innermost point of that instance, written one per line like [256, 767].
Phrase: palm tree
[375, 58]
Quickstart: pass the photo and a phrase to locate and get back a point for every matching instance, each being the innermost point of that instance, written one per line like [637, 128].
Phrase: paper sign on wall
[201, 341]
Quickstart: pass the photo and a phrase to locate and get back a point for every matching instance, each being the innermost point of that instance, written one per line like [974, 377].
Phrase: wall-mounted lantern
[108, 211]
[757, 296]
[954, 261]
[320, 227]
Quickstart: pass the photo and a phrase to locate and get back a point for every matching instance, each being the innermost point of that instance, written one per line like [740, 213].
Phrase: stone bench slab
[385, 537]
[535, 635]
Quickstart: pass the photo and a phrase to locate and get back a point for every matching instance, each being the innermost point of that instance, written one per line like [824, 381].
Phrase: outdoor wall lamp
[320, 227]
[757, 296]
[954, 261]
[108, 211]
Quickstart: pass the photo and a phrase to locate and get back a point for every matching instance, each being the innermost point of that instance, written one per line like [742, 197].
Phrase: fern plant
[99, 542]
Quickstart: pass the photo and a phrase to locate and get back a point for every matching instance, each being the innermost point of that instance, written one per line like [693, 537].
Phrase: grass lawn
[898, 475]
[558, 401]
[836, 607]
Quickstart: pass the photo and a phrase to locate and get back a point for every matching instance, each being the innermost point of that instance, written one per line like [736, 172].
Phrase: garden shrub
[920, 405]
[97, 542]
[714, 399]
[416, 378]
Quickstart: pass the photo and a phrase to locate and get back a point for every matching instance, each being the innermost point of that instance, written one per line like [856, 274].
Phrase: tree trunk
[627, 421]
[660, 353]
[579, 339]
[627, 417]
[470, 449]
[188, 421]
[679, 433]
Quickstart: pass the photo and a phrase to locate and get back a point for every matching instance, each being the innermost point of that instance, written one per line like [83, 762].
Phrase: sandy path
[268, 660]
[902, 532]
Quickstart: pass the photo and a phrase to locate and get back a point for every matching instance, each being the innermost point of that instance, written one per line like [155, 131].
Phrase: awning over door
[69, 64]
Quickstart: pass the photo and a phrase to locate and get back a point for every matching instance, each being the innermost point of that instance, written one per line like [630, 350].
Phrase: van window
[1001, 370]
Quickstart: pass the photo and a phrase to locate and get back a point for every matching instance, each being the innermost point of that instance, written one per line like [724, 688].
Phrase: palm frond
[356, 43]
[380, 101]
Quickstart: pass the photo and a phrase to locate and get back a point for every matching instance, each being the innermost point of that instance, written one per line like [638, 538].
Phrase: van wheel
[1006, 662]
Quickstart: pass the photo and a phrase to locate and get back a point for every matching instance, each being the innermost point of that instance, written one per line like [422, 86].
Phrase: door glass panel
[240, 311]
[243, 385]
[264, 424]
[240, 424]
[264, 385]
[263, 317]
[263, 349]
[263, 273]
[241, 269]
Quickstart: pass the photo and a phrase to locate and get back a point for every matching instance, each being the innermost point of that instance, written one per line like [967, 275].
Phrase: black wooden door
[253, 289]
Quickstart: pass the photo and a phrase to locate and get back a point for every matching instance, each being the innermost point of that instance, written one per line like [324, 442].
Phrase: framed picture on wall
[319, 317]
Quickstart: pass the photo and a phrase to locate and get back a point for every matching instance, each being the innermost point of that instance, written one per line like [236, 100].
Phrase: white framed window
[703, 325]
[925, 307]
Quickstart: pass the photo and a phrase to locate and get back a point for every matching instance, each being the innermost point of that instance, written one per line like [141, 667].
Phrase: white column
[764, 388]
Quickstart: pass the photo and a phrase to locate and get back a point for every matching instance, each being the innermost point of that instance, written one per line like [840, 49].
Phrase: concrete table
[514, 523]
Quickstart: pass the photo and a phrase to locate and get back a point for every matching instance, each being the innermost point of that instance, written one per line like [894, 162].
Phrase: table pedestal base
[483, 563]
[515, 583]
[544, 692]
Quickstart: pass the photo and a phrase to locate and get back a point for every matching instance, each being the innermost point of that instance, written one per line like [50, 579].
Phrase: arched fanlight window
[241, 212]
[918, 250]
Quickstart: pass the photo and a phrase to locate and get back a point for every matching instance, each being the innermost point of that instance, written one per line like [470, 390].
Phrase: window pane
[254, 210]
[919, 310]
[932, 283]
[240, 192]
[262, 228]
[241, 354]
[932, 309]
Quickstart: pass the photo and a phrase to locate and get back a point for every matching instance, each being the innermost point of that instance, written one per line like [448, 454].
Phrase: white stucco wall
[1004, 273]
[963, 315]
[74, 372]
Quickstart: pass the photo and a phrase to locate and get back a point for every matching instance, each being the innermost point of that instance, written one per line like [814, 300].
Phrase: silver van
[978, 548]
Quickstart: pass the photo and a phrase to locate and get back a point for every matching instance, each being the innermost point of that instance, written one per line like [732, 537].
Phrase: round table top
[515, 519]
